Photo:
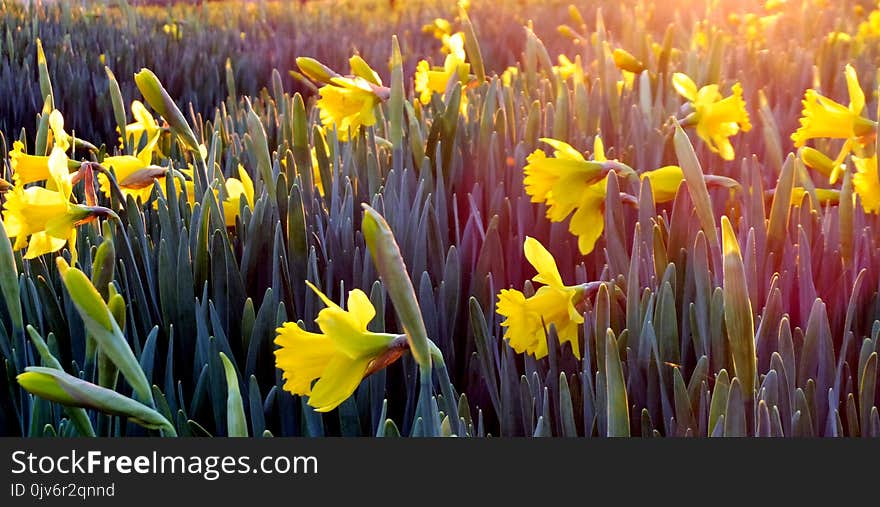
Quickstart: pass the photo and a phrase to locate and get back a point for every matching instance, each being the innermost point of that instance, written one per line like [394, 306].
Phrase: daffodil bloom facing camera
[430, 80]
[571, 185]
[528, 318]
[825, 118]
[717, 118]
[348, 103]
[236, 190]
[45, 220]
[338, 357]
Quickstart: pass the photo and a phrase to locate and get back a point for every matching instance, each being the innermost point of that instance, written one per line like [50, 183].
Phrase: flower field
[371, 218]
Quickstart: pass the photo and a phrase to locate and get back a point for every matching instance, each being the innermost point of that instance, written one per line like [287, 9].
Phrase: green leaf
[236, 425]
[389, 262]
[99, 322]
[738, 317]
[618, 406]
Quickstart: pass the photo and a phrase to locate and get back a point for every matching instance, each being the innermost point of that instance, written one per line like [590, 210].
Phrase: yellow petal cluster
[528, 319]
[569, 184]
[338, 357]
[717, 118]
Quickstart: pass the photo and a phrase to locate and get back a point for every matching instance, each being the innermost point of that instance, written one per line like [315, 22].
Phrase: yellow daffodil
[45, 220]
[824, 195]
[134, 174]
[316, 171]
[348, 103]
[339, 357]
[236, 189]
[143, 127]
[438, 28]
[664, 182]
[27, 168]
[508, 75]
[32, 168]
[527, 319]
[716, 117]
[566, 67]
[825, 118]
[430, 80]
[571, 185]
[866, 183]
[60, 137]
[173, 30]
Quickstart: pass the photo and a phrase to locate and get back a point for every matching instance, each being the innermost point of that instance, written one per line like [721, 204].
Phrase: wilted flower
[717, 118]
[527, 319]
[339, 357]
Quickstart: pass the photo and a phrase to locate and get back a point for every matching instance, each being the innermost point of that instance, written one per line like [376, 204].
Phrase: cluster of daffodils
[570, 185]
[40, 210]
[348, 102]
[824, 118]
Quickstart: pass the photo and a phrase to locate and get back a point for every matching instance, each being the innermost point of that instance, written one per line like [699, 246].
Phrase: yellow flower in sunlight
[134, 174]
[717, 118]
[566, 67]
[824, 195]
[866, 183]
[143, 127]
[243, 186]
[316, 172]
[32, 168]
[553, 303]
[664, 182]
[825, 118]
[570, 185]
[438, 28]
[339, 357]
[508, 75]
[60, 137]
[173, 30]
[347, 103]
[430, 80]
[27, 168]
[41, 219]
